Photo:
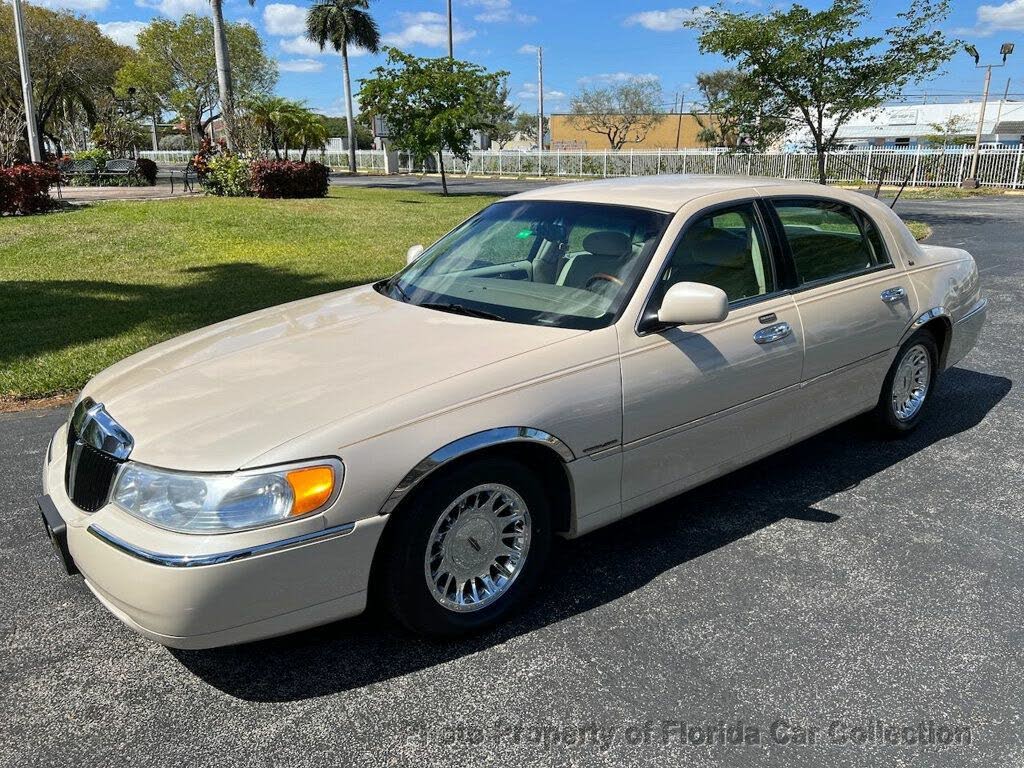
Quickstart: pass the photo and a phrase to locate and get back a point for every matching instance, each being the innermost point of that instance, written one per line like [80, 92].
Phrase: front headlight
[218, 503]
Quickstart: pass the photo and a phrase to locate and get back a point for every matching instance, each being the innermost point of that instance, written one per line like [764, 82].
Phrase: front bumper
[205, 591]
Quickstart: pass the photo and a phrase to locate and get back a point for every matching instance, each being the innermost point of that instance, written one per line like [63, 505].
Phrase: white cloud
[175, 9]
[300, 45]
[669, 20]
[284, 19]
[615, 78]
[498, 11]
[996, 18]
[528, 92]
[75, 5]
[528, 49]
[123, 32]
[300, 65]
[426, 28]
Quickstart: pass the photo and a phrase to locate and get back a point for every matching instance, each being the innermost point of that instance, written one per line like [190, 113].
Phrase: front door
[700, 400]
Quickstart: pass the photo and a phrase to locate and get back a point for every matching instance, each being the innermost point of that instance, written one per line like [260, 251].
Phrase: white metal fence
[917, 167]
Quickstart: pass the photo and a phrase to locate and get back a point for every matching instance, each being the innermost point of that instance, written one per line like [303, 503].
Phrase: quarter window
[829, 240]
[726, 249]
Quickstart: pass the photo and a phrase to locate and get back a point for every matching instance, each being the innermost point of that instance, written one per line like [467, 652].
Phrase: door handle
[892, 295]
[773, 333]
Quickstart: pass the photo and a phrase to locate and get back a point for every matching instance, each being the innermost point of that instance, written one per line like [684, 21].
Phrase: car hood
[217, 398]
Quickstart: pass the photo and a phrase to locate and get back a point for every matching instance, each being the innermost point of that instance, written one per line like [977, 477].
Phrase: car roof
[662, 193]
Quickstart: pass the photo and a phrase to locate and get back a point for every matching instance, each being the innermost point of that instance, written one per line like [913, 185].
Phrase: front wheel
[908, 385]
[469, 545]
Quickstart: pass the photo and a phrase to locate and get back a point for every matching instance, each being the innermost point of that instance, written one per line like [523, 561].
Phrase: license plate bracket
[57, 531]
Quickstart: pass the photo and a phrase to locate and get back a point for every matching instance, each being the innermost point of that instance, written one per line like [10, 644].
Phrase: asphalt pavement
[804, 611]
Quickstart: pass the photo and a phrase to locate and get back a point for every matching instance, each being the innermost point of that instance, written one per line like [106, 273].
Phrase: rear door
[854, 306]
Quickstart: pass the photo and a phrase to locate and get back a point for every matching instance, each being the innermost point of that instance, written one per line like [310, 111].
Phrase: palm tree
[342, 23]
[224, 84]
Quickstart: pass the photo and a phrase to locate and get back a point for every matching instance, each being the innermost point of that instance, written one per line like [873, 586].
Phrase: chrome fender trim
[470, 444]
[980, 306]
[924, 318]
[217, 558]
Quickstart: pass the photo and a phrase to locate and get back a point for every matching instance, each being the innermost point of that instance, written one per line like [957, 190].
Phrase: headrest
[614, 244]
[713, 250]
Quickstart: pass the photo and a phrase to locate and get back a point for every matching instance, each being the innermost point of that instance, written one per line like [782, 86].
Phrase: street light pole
[451, 33]
[26, 86]
[971, 182]
[540, 97]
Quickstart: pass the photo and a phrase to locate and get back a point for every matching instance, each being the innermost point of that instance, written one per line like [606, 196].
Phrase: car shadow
[609, 563]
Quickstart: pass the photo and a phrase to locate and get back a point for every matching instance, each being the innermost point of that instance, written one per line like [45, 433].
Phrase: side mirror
[413, 253]
[693, 304]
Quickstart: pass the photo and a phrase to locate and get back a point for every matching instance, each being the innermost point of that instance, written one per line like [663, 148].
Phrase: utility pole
[540, 98]
[971, 182]
[1006, 95]
[26, 86]
[451, 33]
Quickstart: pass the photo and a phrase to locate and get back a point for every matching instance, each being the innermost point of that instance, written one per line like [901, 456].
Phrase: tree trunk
[220, 50]
[444, 179]
[822, 178]
[349, 120]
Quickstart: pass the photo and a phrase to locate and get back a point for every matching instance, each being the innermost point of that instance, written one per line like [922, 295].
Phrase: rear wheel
[468, 547]
[908, 385]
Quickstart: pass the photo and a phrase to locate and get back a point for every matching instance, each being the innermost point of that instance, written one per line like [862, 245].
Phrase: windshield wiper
[393, 283]
[459, 309]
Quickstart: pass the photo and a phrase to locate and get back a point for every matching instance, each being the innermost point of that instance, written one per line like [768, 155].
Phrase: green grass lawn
[80, 290]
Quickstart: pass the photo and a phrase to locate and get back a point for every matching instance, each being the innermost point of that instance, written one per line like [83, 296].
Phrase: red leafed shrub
[26, 188]
[285, 178]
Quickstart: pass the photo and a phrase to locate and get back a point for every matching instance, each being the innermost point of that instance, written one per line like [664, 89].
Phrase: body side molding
[469, 444]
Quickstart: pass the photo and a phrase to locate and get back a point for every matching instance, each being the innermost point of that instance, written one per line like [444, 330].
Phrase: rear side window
[829, 240]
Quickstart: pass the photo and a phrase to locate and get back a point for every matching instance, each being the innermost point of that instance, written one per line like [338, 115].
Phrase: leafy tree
[308, 131]
[503, 121]
[225, 83]
[432, 104]
[283, 124]
[955, 130]
[338, 126]
[739, 112]
[526, 124]
[340, 24]
[174, 68]
[825, 67]
[73, 65]
[623, 114]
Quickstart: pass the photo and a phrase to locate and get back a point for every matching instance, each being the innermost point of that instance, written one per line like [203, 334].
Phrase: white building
[907, 125]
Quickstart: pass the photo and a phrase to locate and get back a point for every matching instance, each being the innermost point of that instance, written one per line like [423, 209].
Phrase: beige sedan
[559, 361]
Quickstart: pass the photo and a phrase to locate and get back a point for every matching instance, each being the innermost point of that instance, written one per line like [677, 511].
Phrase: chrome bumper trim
[981, 306]
[217, 558]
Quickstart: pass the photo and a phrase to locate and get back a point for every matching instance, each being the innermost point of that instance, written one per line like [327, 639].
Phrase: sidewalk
[162, 191]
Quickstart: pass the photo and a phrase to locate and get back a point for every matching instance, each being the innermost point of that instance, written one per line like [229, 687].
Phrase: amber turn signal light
[311, 488]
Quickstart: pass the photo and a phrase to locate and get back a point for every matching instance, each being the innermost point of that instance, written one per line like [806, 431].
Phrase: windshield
[570, 265]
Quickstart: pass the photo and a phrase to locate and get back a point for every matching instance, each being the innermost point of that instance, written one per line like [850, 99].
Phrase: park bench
[120, 168]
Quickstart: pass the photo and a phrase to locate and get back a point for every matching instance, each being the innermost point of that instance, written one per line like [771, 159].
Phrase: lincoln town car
[559, 361]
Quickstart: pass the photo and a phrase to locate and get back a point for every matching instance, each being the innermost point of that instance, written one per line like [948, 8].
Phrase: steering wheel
[602, 277]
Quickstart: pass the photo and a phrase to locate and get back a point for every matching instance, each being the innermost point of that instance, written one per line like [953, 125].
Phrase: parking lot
[793, 613]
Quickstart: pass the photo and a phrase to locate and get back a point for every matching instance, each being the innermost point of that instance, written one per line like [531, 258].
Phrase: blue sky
[584, 41]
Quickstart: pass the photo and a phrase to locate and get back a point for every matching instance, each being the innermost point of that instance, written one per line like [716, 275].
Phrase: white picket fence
[916, 167]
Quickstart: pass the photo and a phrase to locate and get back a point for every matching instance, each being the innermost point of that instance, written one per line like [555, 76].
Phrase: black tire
[890, 424]
[404, 586]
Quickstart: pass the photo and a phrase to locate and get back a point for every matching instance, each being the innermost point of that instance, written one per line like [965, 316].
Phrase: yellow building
[677, 131]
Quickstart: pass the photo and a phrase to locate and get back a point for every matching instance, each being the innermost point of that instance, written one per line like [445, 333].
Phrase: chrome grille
[97, 446]
[88, 474]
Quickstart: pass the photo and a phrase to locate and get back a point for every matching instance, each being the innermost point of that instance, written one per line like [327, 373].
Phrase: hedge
[26, 188]
[286, 178]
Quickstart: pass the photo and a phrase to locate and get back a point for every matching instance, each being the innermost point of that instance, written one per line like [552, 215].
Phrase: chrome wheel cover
[478, 548]
[911, 382]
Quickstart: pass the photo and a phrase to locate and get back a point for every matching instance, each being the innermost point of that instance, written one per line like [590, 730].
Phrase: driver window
[726, 249]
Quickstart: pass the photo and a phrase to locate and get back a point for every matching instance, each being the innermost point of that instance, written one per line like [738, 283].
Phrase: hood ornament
[96, 428]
